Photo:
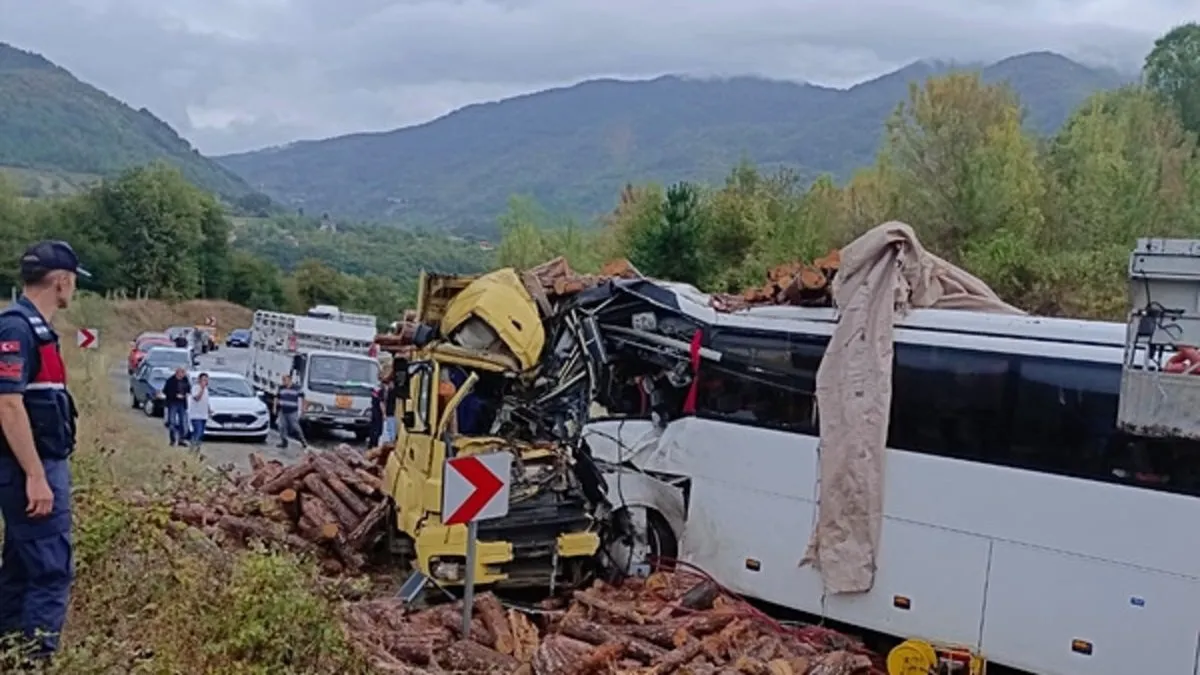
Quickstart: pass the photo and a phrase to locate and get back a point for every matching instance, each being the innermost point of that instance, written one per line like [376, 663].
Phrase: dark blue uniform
[37, 565]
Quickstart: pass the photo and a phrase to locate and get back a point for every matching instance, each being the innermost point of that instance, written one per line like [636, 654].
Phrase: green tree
[521, 227]
[670, 247]
[214, 253]
[1172, 69]
[320, 284]
[255, 283]
[153, 216]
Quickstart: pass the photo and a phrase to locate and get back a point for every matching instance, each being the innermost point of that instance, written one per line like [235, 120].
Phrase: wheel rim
[148, 408]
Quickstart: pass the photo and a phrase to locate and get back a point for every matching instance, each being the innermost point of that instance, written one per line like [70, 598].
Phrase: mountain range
[571, 148]
[58, 133]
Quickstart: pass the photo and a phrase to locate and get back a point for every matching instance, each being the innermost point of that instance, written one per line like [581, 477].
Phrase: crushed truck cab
[474, 354]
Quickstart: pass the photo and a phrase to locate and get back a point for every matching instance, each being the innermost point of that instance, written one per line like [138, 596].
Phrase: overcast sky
[234, 75]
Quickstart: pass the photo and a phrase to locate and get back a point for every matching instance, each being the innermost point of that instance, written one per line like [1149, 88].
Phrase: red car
[142, 344]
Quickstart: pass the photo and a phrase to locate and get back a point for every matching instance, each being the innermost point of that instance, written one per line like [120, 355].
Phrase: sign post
[474, 488]
[87, 338]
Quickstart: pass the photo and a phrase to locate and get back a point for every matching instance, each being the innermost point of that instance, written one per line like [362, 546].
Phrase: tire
[133, 396]
[149, 408]
[360, 436]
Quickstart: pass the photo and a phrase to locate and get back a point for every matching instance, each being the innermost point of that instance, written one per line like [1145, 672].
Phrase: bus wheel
[643, 543]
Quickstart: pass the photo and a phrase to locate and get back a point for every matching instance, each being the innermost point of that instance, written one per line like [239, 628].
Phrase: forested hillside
[150, 233]
[573, 148]
[62, 132]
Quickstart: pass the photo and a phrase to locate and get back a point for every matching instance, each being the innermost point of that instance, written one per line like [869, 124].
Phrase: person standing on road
[378, 401]
[175, 392]
[199, 410]
[37, 416]
[287, 410]
[396, 390]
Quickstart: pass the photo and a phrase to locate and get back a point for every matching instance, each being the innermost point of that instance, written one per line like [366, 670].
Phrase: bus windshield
[342, 375]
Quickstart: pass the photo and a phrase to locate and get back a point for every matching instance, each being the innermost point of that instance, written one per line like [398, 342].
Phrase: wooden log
[289, 502]
[256, 462]
[194, 514]
[330, 475]
[267, 474]
[525, 636]
[245, 528]
[289, 477]
[352, 476]
[346, 518]
[320, 516]
[678, 657]
[559, 655]
[349, 557]
[492, 614]
[601, 659]
[363, 534]
[351, 456]
[311, 530]
[468, 656]
[368, 483]
[597, 634]
[609, 607]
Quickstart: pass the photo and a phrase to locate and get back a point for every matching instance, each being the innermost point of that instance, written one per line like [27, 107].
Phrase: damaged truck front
[475, 361]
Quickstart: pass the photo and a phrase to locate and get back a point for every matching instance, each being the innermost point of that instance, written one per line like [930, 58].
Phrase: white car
[237, 411]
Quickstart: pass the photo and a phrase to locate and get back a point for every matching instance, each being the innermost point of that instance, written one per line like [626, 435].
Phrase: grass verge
[150, 597]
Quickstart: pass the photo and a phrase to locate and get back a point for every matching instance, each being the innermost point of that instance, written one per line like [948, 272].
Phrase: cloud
[238, 74]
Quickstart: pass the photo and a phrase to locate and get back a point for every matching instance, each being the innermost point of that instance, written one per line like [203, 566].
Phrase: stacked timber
[668, 623]
[328, 504]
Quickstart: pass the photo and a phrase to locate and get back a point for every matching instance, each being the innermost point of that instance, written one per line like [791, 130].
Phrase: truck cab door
[414, 444]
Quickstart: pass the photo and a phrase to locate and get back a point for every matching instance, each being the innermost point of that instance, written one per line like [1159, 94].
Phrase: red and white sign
[475, 487]
[87, 338]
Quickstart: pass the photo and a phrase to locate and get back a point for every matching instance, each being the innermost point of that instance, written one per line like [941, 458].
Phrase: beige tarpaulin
[882, 273]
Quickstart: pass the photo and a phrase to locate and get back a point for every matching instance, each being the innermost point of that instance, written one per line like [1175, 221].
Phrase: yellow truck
[477, 347]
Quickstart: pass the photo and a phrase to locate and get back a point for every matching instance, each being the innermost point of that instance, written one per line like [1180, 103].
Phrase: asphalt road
[222, 452]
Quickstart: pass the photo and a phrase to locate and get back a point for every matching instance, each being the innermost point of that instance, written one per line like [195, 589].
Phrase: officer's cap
[49, 255]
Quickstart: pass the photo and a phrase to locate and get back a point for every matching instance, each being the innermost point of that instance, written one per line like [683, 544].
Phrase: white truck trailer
[332, 361]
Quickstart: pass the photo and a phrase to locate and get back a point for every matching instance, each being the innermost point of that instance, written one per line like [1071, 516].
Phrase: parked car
[142, 344]
[145, 385]
[237, 411]
[239, 337]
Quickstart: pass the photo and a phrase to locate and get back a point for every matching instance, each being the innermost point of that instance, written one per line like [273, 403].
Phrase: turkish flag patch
[10, 347]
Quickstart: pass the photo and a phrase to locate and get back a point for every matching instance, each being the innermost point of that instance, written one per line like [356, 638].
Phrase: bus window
[950, 402]
[1065, 416]
[764, 379]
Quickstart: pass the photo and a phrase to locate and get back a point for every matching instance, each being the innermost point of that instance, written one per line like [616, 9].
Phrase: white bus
[1017, 521]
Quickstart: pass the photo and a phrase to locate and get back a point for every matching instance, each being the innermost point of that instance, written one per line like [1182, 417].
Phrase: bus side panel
[1137, 621]
[942, 574]
[732, 530]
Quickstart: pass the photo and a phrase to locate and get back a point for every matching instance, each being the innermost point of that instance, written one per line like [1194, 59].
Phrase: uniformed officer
[37, 416]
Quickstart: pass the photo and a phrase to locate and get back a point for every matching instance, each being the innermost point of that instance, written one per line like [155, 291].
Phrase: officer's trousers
[37, 566]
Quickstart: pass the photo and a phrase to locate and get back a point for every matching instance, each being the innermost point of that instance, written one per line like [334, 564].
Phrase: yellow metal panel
[577, 544]
[501, 301]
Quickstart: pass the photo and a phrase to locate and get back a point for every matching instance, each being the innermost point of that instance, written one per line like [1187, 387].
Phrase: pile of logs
[797, 283]
[668, 623]
[328, 504]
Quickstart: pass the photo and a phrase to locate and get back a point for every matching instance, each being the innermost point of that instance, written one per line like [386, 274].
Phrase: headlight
[314, 407]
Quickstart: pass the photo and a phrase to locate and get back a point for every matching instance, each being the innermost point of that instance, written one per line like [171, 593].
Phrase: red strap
[689, 403]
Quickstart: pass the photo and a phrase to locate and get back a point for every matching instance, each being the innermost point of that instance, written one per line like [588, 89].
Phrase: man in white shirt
[199, 410]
